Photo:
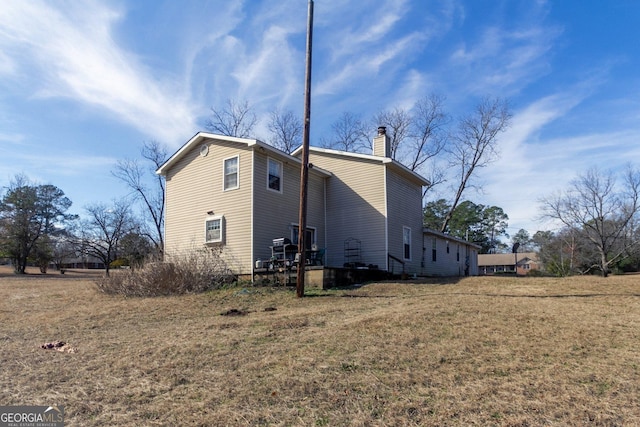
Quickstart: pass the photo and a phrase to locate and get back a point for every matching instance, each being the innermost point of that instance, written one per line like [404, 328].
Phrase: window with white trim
[274, 175]
[406, 240]
[231, 178]
[214, 229]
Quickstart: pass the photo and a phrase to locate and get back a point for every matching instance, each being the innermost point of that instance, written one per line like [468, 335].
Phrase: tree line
[598, 223]
[597, 214]
[36, 226]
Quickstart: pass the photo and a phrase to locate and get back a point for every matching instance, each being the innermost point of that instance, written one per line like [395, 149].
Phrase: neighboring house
[363, 211]
[506, 263]
[84, 261]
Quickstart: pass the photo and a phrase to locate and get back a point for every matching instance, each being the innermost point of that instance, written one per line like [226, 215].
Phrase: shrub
[120, 262]
[197, 271]
[536, 273]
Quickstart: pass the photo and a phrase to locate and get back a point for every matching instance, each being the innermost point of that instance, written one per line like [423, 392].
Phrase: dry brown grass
[482, 351]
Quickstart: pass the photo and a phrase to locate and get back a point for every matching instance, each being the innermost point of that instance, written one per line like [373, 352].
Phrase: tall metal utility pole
[304, 170]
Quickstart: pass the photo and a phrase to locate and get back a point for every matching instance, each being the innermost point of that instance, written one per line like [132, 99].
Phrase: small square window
[214, 230]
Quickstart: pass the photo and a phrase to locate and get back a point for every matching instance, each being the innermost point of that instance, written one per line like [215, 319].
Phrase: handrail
[389, 256]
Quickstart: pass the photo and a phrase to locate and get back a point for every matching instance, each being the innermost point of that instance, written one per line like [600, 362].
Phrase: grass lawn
[478, 351]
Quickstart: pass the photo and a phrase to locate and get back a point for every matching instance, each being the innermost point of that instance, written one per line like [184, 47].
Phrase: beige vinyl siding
[194, 187]
[316, 207]
[355, 207]
[404, 210]
[274, 212]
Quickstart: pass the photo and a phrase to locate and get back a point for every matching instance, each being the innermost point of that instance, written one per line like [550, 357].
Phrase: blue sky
[83, 84]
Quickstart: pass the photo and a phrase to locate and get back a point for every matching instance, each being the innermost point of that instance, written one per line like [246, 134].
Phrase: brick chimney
[382, 143]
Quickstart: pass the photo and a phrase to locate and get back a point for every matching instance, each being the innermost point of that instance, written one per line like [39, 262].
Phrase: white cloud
[269, 70]
[12, 138]
[368, 65]
[7, 65]
[381, 21]
[533, 164]
[46, 163]
[502, 60]
[73, 53]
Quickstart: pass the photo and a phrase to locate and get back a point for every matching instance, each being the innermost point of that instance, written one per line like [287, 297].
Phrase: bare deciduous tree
[475, 144]
[286, 130]
[148, 190]
[349, 134]
[398, 122]
[427, 139]
[596, 210]
[417, 136]
[103, 229]
[234, 119]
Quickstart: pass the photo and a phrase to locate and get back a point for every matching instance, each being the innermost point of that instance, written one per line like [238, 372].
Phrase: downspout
[326, 224]
[386, 218]
[251, 216]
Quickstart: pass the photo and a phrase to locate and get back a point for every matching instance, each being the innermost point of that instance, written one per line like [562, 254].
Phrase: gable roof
[199, 137]
[399, 167]
[432, 232]
[505, 259]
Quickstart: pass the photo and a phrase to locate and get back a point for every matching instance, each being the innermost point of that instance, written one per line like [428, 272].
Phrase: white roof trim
[446, 236]
[383, 160]
[200, 136]
[196, 139]
[341, 153]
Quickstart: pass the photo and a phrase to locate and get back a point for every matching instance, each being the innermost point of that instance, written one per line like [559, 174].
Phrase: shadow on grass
[493, 295]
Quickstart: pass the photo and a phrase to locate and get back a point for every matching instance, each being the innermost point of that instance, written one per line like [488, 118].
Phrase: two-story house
[363, 211]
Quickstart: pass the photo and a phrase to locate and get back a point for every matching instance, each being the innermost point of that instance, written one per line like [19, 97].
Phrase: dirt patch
[60, 346]
[234, 312]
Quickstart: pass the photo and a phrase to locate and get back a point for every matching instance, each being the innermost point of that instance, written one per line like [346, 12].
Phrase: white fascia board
[383, 160]
[195, 140]
[432, 232]
[254, 143]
